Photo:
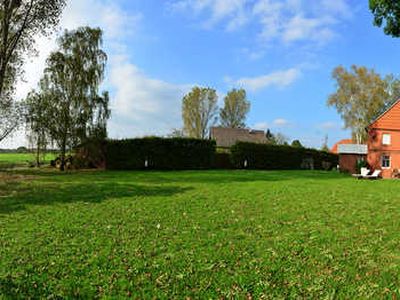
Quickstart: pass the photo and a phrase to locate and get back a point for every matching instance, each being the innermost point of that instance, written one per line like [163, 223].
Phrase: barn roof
[334, 149]
[353, 149]
[227, 137]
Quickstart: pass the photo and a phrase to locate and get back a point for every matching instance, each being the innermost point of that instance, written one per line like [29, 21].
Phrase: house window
[385, 161]
[386, 139]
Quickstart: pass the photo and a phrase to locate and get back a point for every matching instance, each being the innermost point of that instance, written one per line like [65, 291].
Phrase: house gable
[389, 120]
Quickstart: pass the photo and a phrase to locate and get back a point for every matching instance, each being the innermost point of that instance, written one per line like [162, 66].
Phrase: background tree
[11, 116]
[270, 137]
[38, 121]
[297, 144]
[324, 146]
[199, 111]
[387, 14]
[20, 22]
[176, 132]
[235, 110]
[360, 96]
[281, 139]
[70, 88]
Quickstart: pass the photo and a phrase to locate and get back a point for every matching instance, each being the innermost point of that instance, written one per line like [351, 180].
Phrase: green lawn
[210, 234]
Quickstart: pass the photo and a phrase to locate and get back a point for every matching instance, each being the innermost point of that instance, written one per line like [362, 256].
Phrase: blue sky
[281, 51]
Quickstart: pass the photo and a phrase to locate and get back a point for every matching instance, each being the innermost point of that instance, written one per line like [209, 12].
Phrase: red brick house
[384, 142]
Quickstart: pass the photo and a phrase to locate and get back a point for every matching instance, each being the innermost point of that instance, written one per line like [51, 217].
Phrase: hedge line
[273, 157]
[185, 153]
[160, 153]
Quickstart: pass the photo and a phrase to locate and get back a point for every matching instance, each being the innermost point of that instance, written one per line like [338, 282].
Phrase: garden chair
[364, 172]
[374, 175]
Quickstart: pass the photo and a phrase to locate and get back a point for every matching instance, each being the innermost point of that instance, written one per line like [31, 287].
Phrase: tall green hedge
[160, 153]
[272, 157]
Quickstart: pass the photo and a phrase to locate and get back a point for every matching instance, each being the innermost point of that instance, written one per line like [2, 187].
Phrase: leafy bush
[90, 154]
[160, 153]
[274, 157]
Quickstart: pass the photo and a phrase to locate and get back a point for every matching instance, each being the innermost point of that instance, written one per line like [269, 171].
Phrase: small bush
[160, 153]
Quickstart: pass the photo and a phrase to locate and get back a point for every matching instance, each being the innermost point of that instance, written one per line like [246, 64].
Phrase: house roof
[334, 149]
[384, 113]
[227, 137]
[352, 149]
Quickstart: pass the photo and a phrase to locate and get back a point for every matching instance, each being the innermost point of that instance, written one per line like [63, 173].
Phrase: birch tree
[199, 112]
[235, 110]
[71, 86]
[361, 94]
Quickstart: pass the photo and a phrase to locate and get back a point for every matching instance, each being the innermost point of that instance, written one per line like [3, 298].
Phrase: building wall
[376, 150]
[348, 162]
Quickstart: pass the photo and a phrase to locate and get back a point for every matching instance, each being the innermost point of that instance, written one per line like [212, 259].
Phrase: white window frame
[390, 161]
[386, 139]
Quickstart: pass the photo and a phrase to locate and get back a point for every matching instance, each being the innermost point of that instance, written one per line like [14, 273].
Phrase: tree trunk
[38, 155]
[62, 156]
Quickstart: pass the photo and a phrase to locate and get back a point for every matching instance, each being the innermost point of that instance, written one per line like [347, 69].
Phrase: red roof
[389, 119]
[342, 142]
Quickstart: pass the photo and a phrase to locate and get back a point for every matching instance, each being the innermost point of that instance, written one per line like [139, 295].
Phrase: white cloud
[151, 106]
[315, 29]
[281, 122]
[232, 11]
[329, 126]
[278, 79]
[277, 123]
[286, 21]
[261, 126]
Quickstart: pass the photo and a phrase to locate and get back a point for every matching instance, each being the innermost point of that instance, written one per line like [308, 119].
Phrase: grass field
[8, 160]
[210, 234]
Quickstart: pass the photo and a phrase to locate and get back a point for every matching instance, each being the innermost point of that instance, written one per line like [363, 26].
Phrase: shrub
[160, 153]
[274, 157]
[90, 154]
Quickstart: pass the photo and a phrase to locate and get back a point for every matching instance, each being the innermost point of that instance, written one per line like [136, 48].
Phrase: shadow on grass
[17, 196]
[179, 177]
[221, 176]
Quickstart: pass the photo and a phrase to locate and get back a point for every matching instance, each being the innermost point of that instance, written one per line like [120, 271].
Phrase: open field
[210, 234]
[20, 159]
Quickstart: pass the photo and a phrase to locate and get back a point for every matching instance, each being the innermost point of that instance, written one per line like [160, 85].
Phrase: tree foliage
[270, 137]
[11, 116]
[199, 111]
[70, 88]
[360, 96]
[235, 110]
[387, 14]
[38, 120]
[281, 139]
[297, 144]
[20, 22]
